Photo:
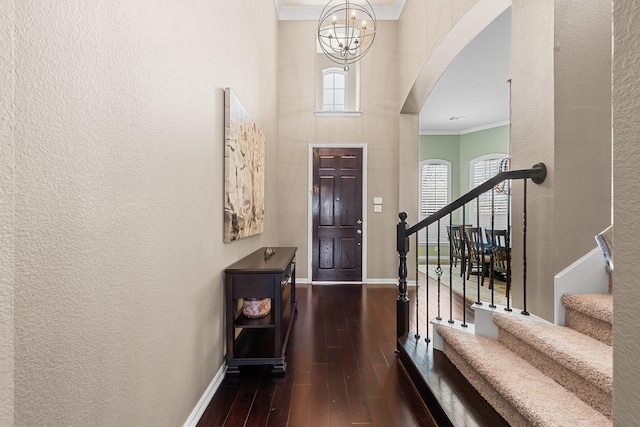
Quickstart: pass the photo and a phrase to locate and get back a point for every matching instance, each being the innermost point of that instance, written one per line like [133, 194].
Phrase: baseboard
[393, 281]
[368, 281]
[206, 398]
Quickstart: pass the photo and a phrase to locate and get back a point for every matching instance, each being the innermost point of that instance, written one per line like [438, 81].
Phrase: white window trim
[433, 236]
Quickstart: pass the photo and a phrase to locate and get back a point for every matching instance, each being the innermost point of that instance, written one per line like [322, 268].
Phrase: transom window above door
[334, 89]
[337, 90]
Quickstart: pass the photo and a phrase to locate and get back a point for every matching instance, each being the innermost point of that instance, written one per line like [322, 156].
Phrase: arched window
[483, 168]
[435, 193]
[334, 89]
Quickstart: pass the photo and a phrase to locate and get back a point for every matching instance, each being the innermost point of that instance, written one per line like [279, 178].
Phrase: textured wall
[626, 180]
[423, 26]
[118, 200]
[532, 139]
[561, 56]
[7, 80]
[377, 127]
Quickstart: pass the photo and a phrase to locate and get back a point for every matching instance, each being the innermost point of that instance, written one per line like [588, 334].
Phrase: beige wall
[423, 26]
[7, 81]
[118, 201]
[561, 59]
[117, 180]
[626, 180]
[377, 127]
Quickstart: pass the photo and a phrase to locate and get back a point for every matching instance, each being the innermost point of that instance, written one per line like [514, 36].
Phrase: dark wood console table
[260, 341]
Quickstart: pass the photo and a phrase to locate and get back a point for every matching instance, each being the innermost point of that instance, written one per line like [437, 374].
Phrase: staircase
[540, 374]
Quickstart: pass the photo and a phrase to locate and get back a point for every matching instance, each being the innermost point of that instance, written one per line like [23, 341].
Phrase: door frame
[310, 209]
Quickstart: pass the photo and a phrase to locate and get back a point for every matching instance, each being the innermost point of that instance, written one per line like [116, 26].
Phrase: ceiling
[472, 94]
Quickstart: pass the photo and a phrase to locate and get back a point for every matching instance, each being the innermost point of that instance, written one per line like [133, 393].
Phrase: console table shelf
[261, 341]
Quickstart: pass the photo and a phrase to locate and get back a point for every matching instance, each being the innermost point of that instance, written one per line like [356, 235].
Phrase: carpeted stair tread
[539, 399]
[585, 356]
[599, 306]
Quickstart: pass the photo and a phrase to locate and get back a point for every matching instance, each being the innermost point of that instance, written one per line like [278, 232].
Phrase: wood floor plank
[380, 412]
[363, 359]
[300, 406]
[338, 401]
[319, 407]
[340, 305]
[301, 338]
[330, 321]
[319, 329]
[406, 405]
[400, 413]
[282, 395]
[261, 409]
[219, 407]
[358, 408]
[243, 403]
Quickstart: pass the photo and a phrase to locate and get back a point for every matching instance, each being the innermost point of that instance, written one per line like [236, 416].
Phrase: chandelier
[346, 31]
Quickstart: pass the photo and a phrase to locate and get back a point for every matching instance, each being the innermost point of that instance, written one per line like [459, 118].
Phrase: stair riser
[585, 390]
[595, 328]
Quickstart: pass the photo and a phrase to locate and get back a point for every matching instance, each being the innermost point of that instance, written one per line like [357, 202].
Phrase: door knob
[359, 231]
[359, 221]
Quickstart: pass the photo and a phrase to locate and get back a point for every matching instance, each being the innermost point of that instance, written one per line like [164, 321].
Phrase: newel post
[403, 300]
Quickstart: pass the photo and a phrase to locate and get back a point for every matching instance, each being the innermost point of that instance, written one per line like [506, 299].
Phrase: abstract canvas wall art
[244, 167]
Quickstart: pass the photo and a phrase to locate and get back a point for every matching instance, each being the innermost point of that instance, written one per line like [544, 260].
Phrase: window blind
[434, 195]
[482, 171]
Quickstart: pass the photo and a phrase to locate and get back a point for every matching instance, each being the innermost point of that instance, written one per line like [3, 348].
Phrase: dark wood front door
[337, 214]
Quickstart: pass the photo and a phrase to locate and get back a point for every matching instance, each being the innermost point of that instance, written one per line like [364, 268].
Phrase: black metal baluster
[479, 247]
[402, 303]
[508, 244]
[417, 335]
[464, 275]
[524, 250]
[451, 237]
[493, 246]
[438, 274]
[451, 275]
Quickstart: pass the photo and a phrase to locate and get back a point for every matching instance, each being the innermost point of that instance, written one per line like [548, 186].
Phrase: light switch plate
[377, 208]
[377, 201]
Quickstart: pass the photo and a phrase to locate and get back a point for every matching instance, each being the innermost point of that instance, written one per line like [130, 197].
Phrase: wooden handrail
[537, 173]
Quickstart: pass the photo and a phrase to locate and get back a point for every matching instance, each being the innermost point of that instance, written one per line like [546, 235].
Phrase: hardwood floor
[342, 369]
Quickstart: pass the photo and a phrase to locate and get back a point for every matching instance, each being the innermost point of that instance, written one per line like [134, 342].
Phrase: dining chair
[501, 253]
[457, 247]
[476, 249]
[495, 237]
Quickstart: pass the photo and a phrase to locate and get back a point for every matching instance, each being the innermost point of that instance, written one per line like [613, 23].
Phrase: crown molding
[312, 13]
[465, 131]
